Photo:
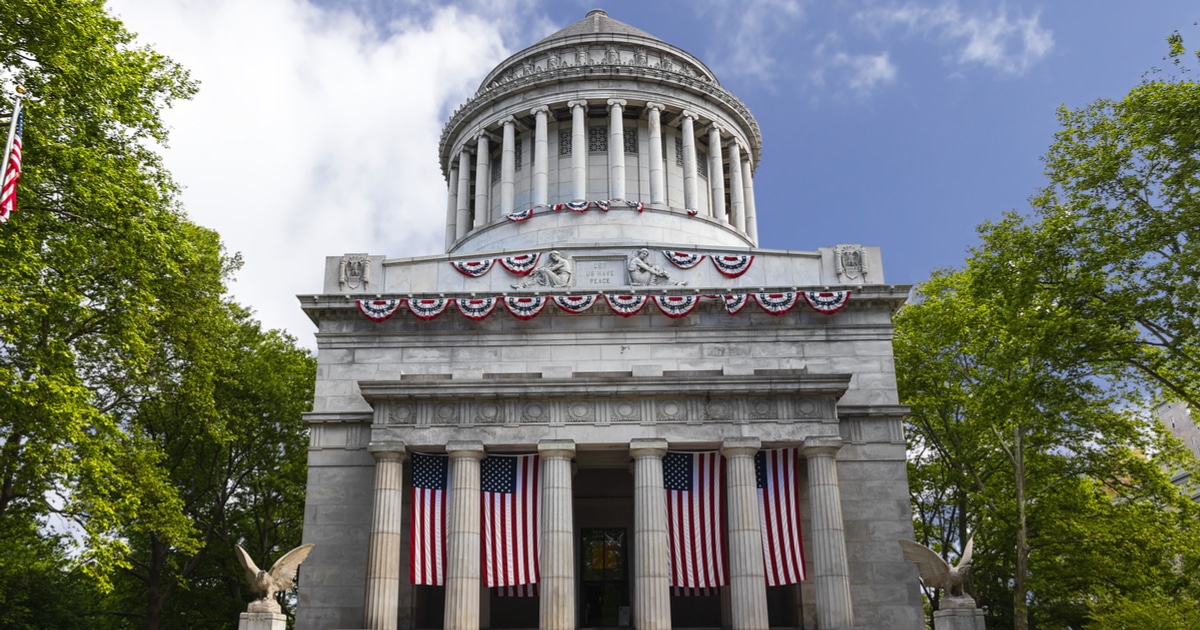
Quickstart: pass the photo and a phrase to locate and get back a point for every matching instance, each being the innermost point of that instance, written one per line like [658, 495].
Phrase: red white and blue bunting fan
[520, 264]
[476, 308]
[525, 307]
[574, 206]
[473, 268]
[427, 309]
[602, 204]
[575, 303]
[777, 303]
[379, 310]
[626, 305]
[676, 306]
[828, 302]
[735, 303]
[683, 260]
[732, 266]
[692, 212]
[636, 205]
[517, 217]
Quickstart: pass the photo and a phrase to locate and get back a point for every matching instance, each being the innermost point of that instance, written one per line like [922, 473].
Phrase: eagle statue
[266, 583]
[937, 573]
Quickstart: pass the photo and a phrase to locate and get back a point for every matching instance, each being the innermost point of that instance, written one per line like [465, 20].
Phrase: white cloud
[313, 133]
[866, 72]
[747, 32]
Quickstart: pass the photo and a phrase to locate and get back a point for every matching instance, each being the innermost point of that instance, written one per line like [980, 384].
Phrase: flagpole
[12, 131]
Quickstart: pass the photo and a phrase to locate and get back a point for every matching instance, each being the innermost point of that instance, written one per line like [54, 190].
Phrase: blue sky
[898, 124]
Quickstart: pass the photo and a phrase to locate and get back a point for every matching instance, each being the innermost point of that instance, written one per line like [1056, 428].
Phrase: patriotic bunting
[476, 308]
[777, 303]
[602, 204]
[732, 266]
[626, 305]
[525, 307]
[692, 212]
[378, 310]
[520, 264]
[427, 309]
[427, 540]
[575, 303]
[828, 302]
[779, 518]
[695, 537]
[637, 205]
[576, 206]
[676, 306]
[683, 260]
[473, 268]
[735, 303]
[509, 488]
[517, 217]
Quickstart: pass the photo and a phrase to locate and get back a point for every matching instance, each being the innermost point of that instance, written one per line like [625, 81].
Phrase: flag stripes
[427, 544]
[12, 162]
[779, 518]
[694, 483]
[510, 525]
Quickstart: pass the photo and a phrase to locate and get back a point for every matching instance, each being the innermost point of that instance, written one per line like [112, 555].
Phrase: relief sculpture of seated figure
[556, 271]
[642, 272]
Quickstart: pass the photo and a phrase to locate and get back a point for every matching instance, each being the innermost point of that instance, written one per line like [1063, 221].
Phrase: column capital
[717, 127]
[507, 120]
[482, 135]
[687, 113]
[740, 446]
[472, 449]
[821, 446]
[647, 447]
[733, 143]
[655, 106]
[387, 451]
[617, 102]
[556, 449]
[574, 104]
[540, 109]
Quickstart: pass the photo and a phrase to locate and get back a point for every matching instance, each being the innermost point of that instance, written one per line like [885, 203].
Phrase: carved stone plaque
[599, 272]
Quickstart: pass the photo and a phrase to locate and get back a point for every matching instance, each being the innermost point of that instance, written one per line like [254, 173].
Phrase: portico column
[579, 150]
[747, 576]
[483, 180]
[716, 173]
[508, 166]
[737, 207]
[748, 193]
[382, 606]
[616, 148]
[651, 578]
[689, 161]
[557, 561]
[462, 222]
[462, 536]
[452, 207]
[831, 573]
[657, 183]
[541, 156]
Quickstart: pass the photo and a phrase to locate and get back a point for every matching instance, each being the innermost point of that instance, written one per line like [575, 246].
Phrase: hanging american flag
[694, 483]
[12, 170]
[779, 516]
[427, 553]
[510, 520]
[520, 590]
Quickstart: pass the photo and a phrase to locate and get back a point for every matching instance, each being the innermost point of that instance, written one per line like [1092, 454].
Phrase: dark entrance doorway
[605, 583]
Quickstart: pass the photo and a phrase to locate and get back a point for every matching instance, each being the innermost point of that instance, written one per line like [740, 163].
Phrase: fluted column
[737, 206]
[690, 194]
[579, 150]
[616, 148]
[452, 207]
[716, 173]
[508, 166]
[747, 575]
[541, 156]
[557, 561]
[651, 566]
[382, 606]
[462, 222]
[483, 180]
[658, 187]
[831, 573]
[748, 193]
[462, 536]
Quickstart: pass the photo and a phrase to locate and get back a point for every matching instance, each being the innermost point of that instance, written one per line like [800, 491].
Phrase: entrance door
[605, 582]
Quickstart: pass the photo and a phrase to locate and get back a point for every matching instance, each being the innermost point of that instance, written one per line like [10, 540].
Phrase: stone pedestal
[262, 621]
[958, 619]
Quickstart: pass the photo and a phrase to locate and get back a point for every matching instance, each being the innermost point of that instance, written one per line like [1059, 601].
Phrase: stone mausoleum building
[603, 301]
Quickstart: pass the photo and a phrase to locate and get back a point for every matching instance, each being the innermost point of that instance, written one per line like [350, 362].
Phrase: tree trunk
[1020, 595]
[154, 584]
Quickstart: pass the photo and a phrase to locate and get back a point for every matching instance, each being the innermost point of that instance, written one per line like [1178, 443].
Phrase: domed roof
[597, 22]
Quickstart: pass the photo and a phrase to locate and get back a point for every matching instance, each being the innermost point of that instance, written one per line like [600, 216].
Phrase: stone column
[651, 565]
[831, 573]
[541, 157]
[748, 194]
[716, 173]
[557, 560]
[452, 207]
[737, 207]
[508, 166]
[462, 536]
[747, 575]
[690, 195]
[483, 180]
[616, 149]
[462, 222]
[579, 150]
[658, 187]
[382, 607]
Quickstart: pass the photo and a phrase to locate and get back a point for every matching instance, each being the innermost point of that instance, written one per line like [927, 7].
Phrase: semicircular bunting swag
[476, 308]
[379, 310]
[828, 302]
[732, 266]
[676, 306]
[427, 309]
[683, 260]
[777, 303]
[602, 204]
[574, 206]
[517, 217]
[525, 307]
[735, 303]
[473, 268]
[626, 305]
[636, 205]
[520, 264]
[575, 303]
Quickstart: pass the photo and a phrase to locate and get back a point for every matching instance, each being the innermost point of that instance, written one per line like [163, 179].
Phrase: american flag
[510, 520]
[779, 516]
[694, 483]
[12, 173]
[427, 554]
